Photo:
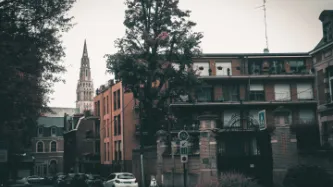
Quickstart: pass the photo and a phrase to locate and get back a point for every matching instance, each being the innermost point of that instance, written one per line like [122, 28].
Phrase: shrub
[233, 179]
[307, 176]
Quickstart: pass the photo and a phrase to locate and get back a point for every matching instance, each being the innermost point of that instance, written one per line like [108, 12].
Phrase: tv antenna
[265, 22]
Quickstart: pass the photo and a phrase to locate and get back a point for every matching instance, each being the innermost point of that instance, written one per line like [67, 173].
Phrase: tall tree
[30, 62]
[157, 52]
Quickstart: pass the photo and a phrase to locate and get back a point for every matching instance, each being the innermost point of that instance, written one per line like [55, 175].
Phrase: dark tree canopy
[156, 51]
[30, 59]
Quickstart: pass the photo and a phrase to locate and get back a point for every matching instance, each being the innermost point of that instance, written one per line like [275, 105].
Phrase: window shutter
[304, 91]
[256, 87]
[282, 92]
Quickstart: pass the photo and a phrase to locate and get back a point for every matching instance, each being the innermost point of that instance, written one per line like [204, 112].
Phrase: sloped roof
[51, 121]
[59, 112]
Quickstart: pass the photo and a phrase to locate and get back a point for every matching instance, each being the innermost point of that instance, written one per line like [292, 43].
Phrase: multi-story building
[85, 86]
[82, 143]
[323, 64]
[48, 144]
[222, 116]
[117, 131]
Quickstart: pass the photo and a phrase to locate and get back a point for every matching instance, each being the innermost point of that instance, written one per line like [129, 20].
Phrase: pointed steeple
[85, 51]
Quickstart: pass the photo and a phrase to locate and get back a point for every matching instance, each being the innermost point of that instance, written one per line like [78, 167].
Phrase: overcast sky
[229, 26]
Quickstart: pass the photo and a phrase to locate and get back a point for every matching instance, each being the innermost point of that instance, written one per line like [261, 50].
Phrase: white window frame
[282, 95]
[205, 65]
[304, 91]
[225, 66]
[50, 150]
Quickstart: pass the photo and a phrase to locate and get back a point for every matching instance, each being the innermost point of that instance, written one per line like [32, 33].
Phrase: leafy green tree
[156, 52]
[30, 62]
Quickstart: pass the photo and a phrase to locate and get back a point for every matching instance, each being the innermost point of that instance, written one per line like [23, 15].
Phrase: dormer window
[53, 131]
[327, 29]
[40, 131]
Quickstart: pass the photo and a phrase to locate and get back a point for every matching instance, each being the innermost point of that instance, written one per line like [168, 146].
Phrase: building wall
[130, 119]
[108, 110]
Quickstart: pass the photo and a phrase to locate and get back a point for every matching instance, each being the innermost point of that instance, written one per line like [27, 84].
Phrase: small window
[53, 146]
[40, 147]
[53, 131]
[40, 130]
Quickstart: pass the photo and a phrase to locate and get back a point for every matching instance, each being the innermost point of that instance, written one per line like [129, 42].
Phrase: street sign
[262, 119]
[183, 135]
[183, 151]
[183, 158]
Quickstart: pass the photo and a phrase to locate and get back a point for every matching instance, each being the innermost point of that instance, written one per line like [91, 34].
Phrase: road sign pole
[185, 177]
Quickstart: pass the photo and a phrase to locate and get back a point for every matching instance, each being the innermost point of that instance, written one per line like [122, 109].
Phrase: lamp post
[141, 95]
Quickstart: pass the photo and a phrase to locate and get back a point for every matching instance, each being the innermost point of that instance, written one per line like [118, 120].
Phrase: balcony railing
[277, 68]
[257, 96]
[208, 97]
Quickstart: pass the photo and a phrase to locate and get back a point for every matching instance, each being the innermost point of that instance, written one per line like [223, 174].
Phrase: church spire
[85, 51]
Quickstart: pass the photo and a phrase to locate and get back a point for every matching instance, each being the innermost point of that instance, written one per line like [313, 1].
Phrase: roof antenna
[266, 50]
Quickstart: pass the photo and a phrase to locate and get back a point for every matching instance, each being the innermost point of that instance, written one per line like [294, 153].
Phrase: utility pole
[141, 96]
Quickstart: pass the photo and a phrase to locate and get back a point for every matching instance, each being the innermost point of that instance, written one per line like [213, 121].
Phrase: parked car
[20, 183]
[34, 179]
[60, 181]
[94, 180]
[121, 180]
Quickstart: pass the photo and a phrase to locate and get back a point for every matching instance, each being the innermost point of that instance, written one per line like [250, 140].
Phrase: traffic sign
[262, 119]
[183, 151]
[183, 158]
[183, 135]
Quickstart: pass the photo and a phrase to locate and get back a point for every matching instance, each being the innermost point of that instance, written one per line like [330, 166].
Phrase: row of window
[255, 67]
[40, 147]
[106, 102]
[116, 126]
[304, 116]
[282, 92]
[117, 151]
[40, 131]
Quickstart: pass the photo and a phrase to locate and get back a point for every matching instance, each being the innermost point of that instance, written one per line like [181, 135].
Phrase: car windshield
[125, 176]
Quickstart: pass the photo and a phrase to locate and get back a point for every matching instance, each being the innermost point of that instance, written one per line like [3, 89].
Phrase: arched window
[86, 73]
[40, 147]
[53, 146]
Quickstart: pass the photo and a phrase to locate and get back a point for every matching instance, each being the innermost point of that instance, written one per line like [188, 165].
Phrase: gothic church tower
[85, 87]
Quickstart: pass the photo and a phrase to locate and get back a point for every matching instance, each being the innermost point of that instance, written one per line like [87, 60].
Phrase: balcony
[257, 96]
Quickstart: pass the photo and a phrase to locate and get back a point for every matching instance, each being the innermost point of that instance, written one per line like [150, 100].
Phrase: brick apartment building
[323, 64]
[48, 144]
[237, 87]
[118, 121]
